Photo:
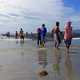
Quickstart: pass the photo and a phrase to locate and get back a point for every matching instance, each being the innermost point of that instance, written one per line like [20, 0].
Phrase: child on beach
[21, 34]
[68, 35]
[56, 33]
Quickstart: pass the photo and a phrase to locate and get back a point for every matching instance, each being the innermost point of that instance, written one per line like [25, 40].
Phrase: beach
[23, 61]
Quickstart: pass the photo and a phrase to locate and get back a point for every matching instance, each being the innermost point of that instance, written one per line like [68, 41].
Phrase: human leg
[68, 43]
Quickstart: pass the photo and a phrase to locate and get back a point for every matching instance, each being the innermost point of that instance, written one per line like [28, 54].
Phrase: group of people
[20, 34]
[42, 31]
[67, 35]
[56, 35]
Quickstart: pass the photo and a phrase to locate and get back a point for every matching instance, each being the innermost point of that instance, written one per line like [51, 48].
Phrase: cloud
[30, 14]
[44, 7]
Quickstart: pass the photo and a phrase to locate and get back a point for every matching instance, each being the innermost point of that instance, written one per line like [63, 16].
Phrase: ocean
[76, 41]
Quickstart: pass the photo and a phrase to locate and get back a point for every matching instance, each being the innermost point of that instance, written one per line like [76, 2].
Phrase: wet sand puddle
[57, 63]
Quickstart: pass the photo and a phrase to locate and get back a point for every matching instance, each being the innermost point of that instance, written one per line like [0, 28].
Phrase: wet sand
[23, 61]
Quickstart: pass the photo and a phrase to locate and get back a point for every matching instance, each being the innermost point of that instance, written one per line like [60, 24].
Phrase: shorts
[68, 42]
[22, 37]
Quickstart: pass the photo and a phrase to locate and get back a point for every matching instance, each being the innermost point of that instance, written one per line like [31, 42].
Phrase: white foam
[76, 38]
[12, 39]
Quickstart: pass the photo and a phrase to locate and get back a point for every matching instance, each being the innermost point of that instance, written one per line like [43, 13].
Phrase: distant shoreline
[76, 38]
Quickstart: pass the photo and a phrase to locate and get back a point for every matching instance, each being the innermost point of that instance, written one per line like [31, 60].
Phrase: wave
[12, 39]
[76, 38]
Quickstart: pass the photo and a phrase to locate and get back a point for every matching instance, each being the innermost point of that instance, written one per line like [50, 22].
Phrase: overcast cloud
[30, 14]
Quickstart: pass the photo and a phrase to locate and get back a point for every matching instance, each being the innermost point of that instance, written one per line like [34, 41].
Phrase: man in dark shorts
[68, 35]
[21, 34]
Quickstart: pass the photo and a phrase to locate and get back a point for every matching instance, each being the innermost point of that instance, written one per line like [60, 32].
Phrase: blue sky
[74, 13]
[73, 3]
[30, 14]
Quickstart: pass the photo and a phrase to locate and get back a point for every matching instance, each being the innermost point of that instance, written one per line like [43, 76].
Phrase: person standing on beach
[57, 36]
[39, 36]
[16, 35]
[21, 34]
[44, 31]
[68, 35]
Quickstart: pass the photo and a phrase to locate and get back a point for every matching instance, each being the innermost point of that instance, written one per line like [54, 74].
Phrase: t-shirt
[44, 31]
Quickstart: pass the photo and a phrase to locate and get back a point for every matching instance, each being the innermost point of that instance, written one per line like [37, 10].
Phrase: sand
[24, 61]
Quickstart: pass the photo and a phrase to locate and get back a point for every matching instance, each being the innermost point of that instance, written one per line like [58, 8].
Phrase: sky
[31, 14]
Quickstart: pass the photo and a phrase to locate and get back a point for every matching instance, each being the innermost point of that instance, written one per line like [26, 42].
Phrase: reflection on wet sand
[24, 62]
[17, 41]
[42, 61]
[69, 74]
[21, 42]
[22, 50]
[56, 64]
[42, 58]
